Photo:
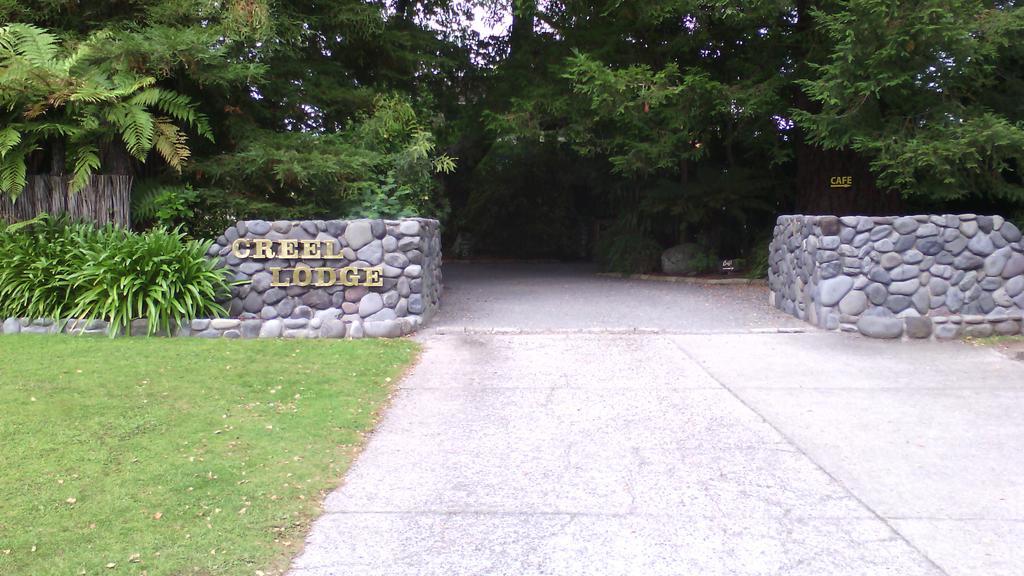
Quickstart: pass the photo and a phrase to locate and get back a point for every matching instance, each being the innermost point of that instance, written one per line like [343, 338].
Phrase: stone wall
[406, 254]
[914, 276]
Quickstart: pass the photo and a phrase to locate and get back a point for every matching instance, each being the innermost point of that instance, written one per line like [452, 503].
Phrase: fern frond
[83, 52]
[45, 129]
[46, 92]
[33, 44]
[41, 217]
[127, 84]
[95, 87]
[182, 108]
[12, 174]
[92, 89]
[171, 143]
[9, 138]
[87, 162]
[177, 106]
[137, 128]
[202, 126]
[147, 97]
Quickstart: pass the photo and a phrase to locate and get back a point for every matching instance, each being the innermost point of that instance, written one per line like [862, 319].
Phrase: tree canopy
[525, 125]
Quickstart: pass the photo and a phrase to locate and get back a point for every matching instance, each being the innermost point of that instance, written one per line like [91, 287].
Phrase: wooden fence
[106, 200]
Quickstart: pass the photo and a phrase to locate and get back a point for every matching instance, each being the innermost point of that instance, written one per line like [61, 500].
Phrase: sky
[485, 28]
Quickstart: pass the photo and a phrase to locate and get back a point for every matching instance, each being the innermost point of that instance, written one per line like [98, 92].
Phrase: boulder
[682, 259]
[831, 291]
[880, 327]
[918, 327]
[358, 234]
[271, 329]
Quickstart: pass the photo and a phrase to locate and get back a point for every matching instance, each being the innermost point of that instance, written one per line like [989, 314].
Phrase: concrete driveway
[708, 444]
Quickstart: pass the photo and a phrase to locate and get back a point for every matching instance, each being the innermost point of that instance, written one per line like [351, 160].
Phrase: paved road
[732, 452]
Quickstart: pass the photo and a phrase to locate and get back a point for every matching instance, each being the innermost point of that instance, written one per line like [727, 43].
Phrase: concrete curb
[503, 260]
[688, 279]
[497, 331]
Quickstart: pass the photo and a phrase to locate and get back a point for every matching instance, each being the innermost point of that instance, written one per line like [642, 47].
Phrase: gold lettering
[288, 249]
[374, 277]
[310, 249]
[330, 251]
[349, 276]
[302, 275]
[323, 277]
[262, 249]
[237, 250]
[275, 278]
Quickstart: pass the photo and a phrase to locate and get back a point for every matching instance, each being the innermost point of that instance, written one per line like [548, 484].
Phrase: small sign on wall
[840, 182]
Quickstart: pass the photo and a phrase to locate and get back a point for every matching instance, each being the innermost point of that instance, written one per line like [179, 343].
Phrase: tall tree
[920, 93]
[293, 90]
[689, 118]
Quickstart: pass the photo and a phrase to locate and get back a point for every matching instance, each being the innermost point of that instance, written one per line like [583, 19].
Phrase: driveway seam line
[550, 388]
[585, 514]
[799, 449]
[941, 519]
[911, 388]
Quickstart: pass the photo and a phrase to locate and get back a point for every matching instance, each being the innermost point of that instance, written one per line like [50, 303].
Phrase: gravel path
[563, 297]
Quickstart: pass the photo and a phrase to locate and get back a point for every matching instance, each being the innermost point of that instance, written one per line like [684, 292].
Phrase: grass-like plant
[55, 269]
[37, 259]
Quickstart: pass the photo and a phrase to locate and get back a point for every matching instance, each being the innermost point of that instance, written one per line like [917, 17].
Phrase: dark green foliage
[75, 100]
[926, 91]
[163, 205]
[706, 262]
[528, 201]
[625, 248]
[382, 164]
[717, 115]
[701, 119]
[61, 270]
[756, 265]
[311, 105]
[628, 253]
[690, 144]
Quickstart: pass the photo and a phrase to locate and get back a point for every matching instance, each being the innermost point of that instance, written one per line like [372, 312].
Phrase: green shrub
[37, 261]
[163, 205]
[759, 259]
[707, 262]
[55, 269]
[627, 251]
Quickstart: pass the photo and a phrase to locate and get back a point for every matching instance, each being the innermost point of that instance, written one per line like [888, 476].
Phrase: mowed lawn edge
[178, 456]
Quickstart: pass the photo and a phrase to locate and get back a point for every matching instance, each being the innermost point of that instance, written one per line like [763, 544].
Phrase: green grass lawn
[177, 456]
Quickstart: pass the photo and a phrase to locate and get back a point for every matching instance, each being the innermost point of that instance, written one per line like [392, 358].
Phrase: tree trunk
[115, 159]
[58, 160]
[105, 200]
[524, 13]
[402, 10]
